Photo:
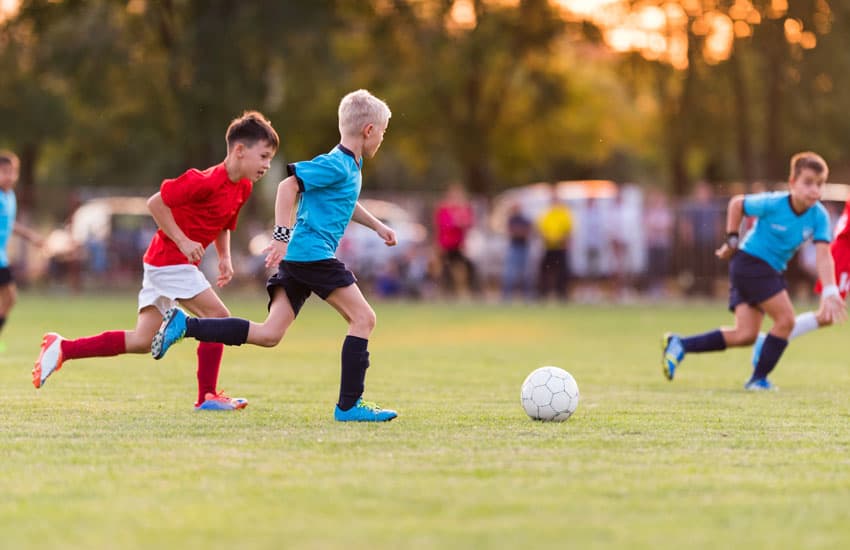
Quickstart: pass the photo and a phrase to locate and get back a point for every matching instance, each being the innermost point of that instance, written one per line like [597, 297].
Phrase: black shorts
[6, 276]
[299, 279]
[752, 281]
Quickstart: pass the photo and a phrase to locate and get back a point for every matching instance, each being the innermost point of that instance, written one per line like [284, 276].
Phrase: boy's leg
[780, 309]
[231, 331]
[55, 349]
[8, 297]
[747, 322]
[207, 304]
[354, 308]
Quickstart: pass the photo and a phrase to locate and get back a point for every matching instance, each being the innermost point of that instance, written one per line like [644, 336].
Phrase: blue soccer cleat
[221, 402]
[171, 331]
[757, 348]
[759, 384]
[364, 411]
[672, 355]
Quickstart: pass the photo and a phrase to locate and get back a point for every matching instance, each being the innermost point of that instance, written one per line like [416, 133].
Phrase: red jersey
[840, 250]
[453, 221]
[204, 203]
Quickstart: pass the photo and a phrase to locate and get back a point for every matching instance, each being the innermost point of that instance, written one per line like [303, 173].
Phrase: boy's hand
[225, 272]
[832, 310]
[274, 252]
[192, 250]
[725, 252]
[387, 234]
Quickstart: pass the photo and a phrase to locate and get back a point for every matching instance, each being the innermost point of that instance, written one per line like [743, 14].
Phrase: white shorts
[163, 286]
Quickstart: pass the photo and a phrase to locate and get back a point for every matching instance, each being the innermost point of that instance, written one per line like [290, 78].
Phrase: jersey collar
[349, 152]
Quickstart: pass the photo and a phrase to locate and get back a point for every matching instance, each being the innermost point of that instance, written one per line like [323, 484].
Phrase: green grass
[109, 454]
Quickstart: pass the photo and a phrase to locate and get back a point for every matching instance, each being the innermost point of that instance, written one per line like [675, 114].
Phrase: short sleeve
[322, 171]
[758, 204]
[822, 229]
[184, 189]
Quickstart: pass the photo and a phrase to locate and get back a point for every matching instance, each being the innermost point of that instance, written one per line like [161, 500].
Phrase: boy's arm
[28, 234]
[734, 216]
[225, 264]
[364, 217]
[165, 220]
[284, 205]
[832, 308]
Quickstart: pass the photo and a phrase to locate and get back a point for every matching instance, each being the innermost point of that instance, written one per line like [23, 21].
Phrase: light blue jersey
[8, 211]
[779, 230]
[330, 185]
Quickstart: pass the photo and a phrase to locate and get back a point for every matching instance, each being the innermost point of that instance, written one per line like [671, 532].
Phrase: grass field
[109, 454]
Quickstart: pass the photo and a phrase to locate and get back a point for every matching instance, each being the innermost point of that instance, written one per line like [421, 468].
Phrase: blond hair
[360, 108]
[810, 160]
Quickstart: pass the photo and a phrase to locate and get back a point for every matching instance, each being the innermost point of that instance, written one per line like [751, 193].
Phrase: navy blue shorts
[752, 281]
[6, 276]
[299, 279]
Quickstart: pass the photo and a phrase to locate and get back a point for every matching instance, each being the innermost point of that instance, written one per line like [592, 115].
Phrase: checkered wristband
[282, 233]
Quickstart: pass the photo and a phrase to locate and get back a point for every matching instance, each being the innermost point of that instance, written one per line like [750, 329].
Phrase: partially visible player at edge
[192, 211]
[9, 170]
[840, 251]
[785, 220]
[329, 186]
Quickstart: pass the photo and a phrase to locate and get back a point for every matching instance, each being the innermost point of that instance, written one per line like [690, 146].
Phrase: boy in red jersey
[192, 211]
[840, 251]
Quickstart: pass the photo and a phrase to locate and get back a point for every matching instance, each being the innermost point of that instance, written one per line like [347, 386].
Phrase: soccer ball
[549, 393]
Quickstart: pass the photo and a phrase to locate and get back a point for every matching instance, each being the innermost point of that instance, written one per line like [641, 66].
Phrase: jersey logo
[777, 227]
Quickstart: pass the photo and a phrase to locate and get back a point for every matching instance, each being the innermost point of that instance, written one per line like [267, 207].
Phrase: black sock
[231, 331]
[707, 341]
[771, 351]
[355, 361]
[2, 322]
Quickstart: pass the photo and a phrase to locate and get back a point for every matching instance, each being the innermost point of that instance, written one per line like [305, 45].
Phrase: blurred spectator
[593, 222]
[453, 219]
[555, 226]
[516, 273]
[700, 229]
[658, 221]
[619, 225]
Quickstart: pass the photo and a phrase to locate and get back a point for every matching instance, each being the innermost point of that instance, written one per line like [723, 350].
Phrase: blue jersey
[779, 230]
[8, 211]
[330, 185]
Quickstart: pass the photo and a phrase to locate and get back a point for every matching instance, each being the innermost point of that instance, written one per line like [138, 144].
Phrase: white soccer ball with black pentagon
[549, 393]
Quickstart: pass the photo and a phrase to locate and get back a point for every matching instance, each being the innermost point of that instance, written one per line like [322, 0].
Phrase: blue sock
[355, 361]
[771, 351]
[707, 341]
[230, 331]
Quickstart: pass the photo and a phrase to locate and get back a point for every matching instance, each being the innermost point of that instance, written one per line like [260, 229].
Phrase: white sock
[805, 322]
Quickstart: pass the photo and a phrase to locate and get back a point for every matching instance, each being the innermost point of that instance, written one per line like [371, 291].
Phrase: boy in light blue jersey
[9, 169]
[756, 285]
[329, 186]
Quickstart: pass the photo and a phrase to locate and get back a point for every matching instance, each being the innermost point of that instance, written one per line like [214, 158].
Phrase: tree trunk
[743, 124]
[775, 51]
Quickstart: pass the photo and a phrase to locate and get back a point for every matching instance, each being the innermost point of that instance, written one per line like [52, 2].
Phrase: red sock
[104, 344]
[209, 362]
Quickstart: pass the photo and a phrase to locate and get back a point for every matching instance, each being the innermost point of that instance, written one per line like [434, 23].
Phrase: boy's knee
[784, 324]
[268, 338]
[747, 338]
[365, 320]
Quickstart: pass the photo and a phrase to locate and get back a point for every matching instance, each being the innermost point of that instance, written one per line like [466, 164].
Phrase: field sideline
[109, 454]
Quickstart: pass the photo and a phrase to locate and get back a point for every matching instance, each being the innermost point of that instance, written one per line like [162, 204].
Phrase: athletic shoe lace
[369, 405]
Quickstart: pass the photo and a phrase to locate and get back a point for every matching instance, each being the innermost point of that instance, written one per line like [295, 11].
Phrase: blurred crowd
[584, 241]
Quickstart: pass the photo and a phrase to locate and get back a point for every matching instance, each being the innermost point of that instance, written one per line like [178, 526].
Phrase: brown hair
[8, 157]
[807, 160]
[250, 128]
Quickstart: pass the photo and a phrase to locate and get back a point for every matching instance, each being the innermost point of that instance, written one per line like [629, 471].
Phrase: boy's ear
[239, 149]
[367, 130]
